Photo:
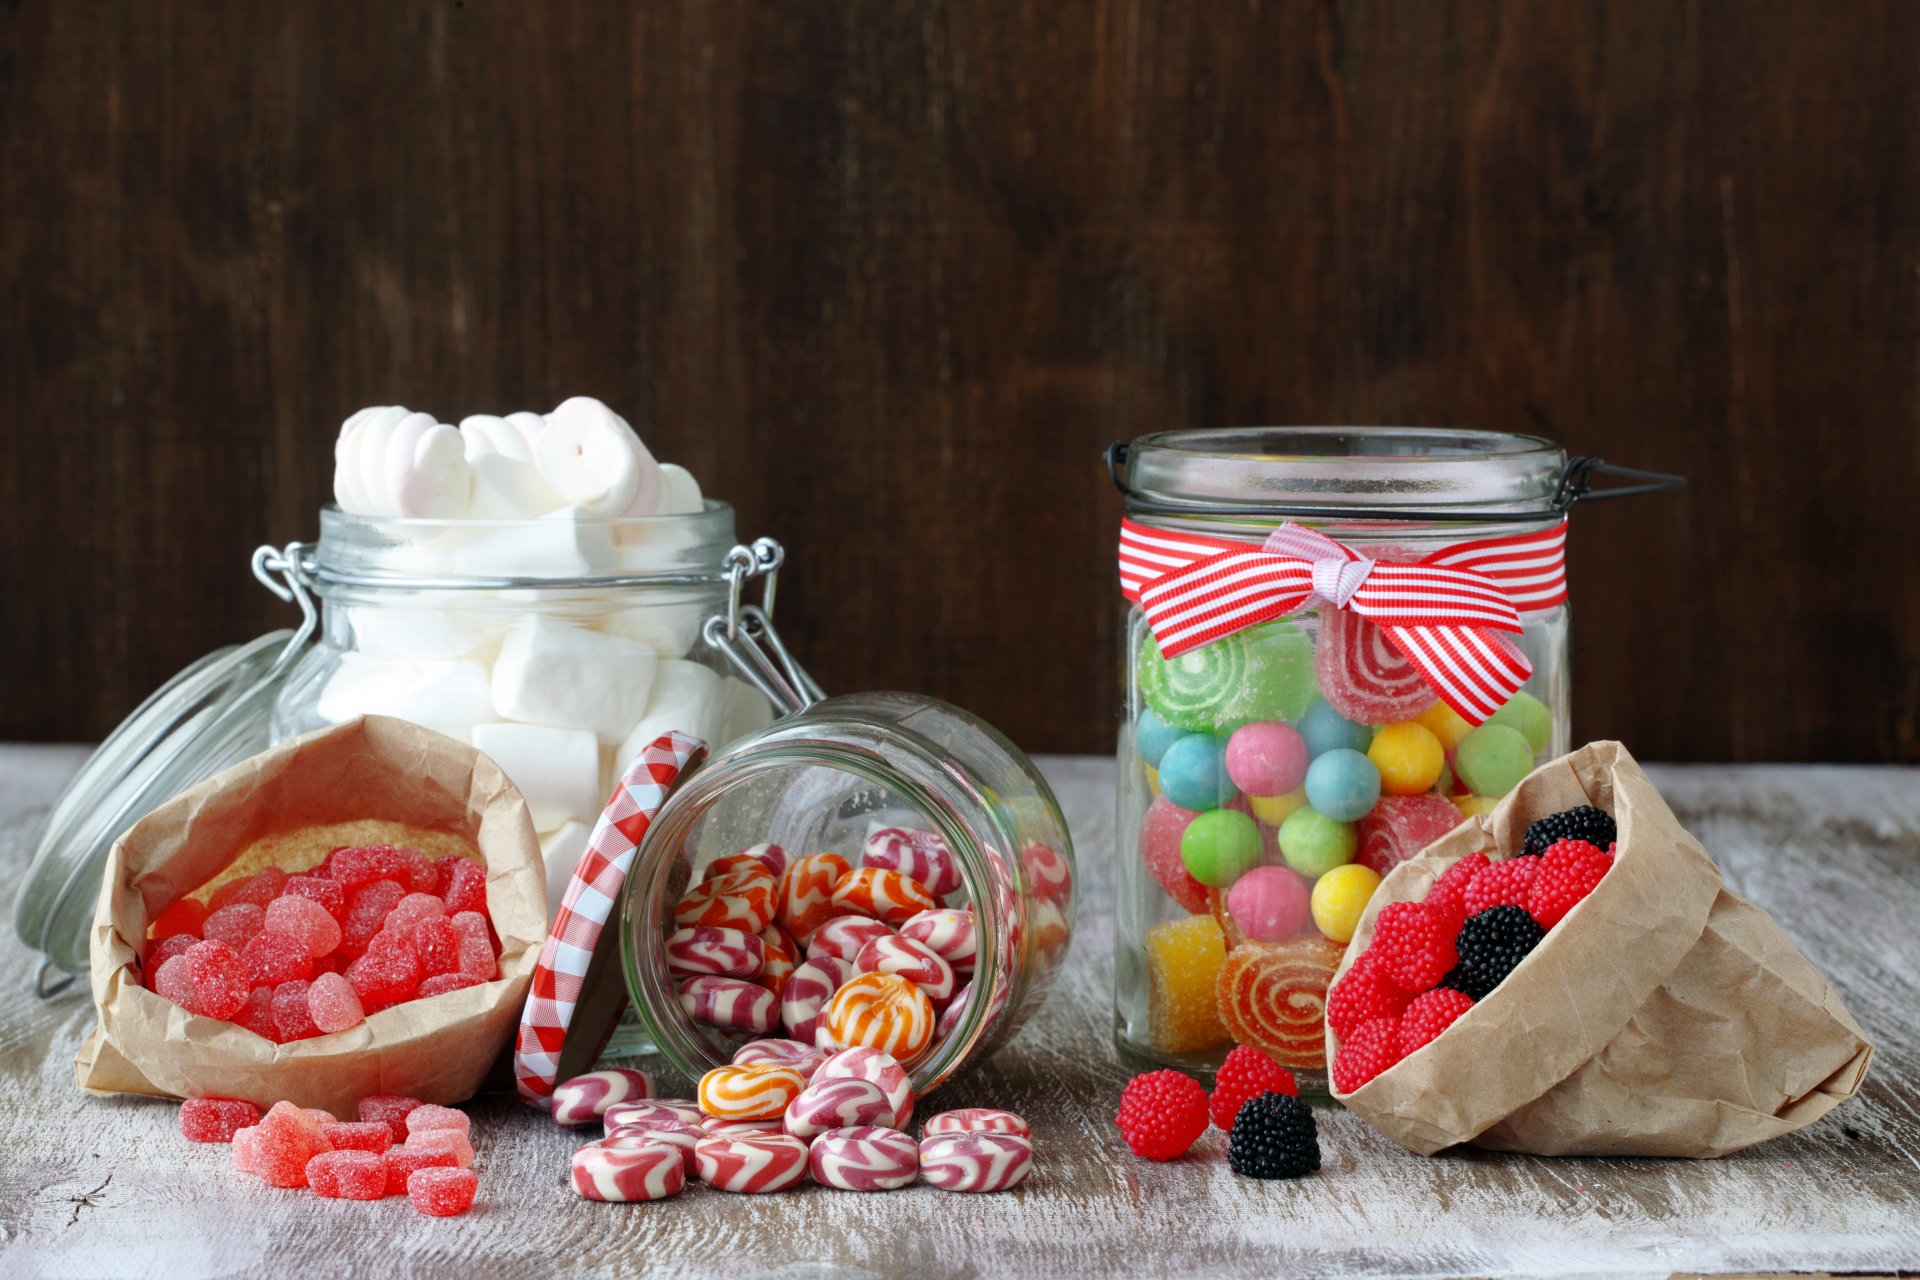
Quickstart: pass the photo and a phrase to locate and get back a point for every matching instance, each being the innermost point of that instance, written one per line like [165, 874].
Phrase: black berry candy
[1595, 826]
[1491, 945]
[1274, 1137]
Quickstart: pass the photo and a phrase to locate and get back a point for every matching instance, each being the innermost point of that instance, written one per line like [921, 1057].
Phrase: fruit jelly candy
[286, 1138]
[441, 984]
[403, 1162]
[170, 980]
[414, 908]
[292, 1019]
[367, 909]
[1184, 958]
[437, 944]
[478, 952]
[333, 1003]
[354, 866]
[272, 957]
[306, 920]
[1275, 999]
[805, 897]
[449, 1140]
[158, 953]
[185, 915]
[465, 886]
[885, 895]
[246, 1154]
[235, 923]
[259, 889]
[1162, 828]
[629, 1172]
[359, 1135]
[330, 894]
[751, 1163]
[1361, 673]
[421, 875]
[975, 1161]
[347, 1175]
[585, 1098]
[442, 1193]
[864, 1158]
[430, 1117]
[389, 1109]
[388, 972]
[216, 1119]
[1400, 826]
[208, 979]
[256, 1015]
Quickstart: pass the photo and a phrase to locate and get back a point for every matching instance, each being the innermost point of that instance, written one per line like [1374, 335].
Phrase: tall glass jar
[1270, 777]
[824, 780]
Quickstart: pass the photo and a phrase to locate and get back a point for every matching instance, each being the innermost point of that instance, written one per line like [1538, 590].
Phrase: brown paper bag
[437, 1050]
[1664, 1016]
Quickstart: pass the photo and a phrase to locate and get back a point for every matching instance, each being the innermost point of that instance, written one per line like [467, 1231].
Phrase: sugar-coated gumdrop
[452, 1141]
[437, 943]
[440, 984]
[442, 1193]
[235, 923]
[358, 1135]
[1275, 997]
[1401, 826]
[367, 908]
[413, 909]
[329, 894]
[387, 973]
[256, 1015]
[463, 886]
[333, 1003]
[390, 1109]
[429, 1117]
[285, 1139]
[158, 953]
[1161, 831]
[403, 1162]
[216, 1119]
[1183, 964]
[272, 957]
[478, 956]
[246, 1156]
[292, 1019]
[185, 915]
[305, 919]
[258, 889]
[169, 980]
[347, 1175]
[421, 875]
[213, 982]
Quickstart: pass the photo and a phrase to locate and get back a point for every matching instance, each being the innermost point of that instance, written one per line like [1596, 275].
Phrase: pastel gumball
[1313, 844]
[1152, 736]
[1343, 784]
[1339, 897]
[1493, 759]
[864, 1158]
[1266, 758]
[1193, 773]
[837, 1104]
[551, 672]
[948, 932]
[752, 1163]
[593, 459]
[976, 1119]
[1408, 756]
[975, 1161]
[1322, 728]
[1529, 715]
[1269, 904]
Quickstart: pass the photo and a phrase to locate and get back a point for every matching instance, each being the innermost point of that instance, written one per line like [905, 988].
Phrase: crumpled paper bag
[1664, 1016]
[376, 767]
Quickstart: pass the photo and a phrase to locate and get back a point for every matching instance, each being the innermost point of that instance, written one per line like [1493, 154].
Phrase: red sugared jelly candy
[235, 924]
[359, 1135]
[348, 1175]
[367, 909]
[216, 1119]
[330, 894]
[333, 1003]
[256, 1015]
[463, 886]
[404, 1162]
[292, 1019]
[305, 919]
[185, 916]
[272, 958]
[285, 1139]
[389, 1109]
[158, 953]
[442, 1193]
[436, 942]
[440, 984]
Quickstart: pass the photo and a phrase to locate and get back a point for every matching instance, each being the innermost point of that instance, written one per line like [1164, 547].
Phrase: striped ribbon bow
[1444, 614]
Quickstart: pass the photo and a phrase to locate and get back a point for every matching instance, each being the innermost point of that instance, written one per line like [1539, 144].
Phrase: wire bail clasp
[285, 572]
[746, 636]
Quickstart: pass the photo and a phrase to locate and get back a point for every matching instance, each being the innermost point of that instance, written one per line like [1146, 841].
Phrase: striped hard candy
[780, 955]
[917, 854]
[802, 1057]
[734, 1003]
[843, 936]
[628, 1171]
[884, 895]
[1048, 921]
[977, 1119]
[623, 1115]
[905, 958]
[749, 1093]
[864, 1158]
[752, 1163]
[770, 856]
[678, 1134]
[1049, 874]
[740, 899]
[975, 1161]
[707, 949]
[951, 1015]
[837, 1104]
[585, 1098]
[734, 1128]
[874, 1067]
[806, 992]
[805, 898]
[948, 932]
[878, 1011]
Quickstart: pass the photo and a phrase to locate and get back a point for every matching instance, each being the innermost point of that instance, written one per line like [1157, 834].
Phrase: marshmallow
[447, 697]
[668, 624]
[507, 484]
[679, 492]
[388, 462]
[747, 709]
[383, 631]
[551, 673]
[557, 770]
[593, 459]
[568, 543]
[686, 697]
[561, 851]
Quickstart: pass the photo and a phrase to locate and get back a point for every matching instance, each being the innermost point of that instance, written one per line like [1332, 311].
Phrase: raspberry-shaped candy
[1569, 870]
[1363, 1055]
[1275, 1137]
[1503, 884]
[1162, 1113]
[1413, 945]
[1247, 1073]
[1595, 826]
[1429, 1015]
[1363, 994]
[1448, 897]
[1492, 944]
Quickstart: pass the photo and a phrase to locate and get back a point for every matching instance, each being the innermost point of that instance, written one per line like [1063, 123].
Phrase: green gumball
[1530, 716]
[1314, 844]
[1493, 758]
[1220, 846]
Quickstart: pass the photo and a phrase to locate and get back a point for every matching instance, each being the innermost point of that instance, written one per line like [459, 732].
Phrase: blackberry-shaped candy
[1595, 826]
[1274, 1137]
[1491, 945]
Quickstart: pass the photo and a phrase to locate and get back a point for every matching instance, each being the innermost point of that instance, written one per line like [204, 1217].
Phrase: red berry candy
[1448, 897]
[1362, 994]
[216, 1119]
[1247, 1073]
[1371, 1049]
[1569, 870]
[1429, 1015]
[1162, 1113]
[1502, 884]
[256, 1015]
[1413, 945]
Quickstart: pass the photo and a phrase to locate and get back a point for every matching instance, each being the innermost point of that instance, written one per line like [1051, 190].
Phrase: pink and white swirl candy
[951, 1015]
[1049, 875]
[781, 958]
[752, 1163]
[975, 1161]
[838, 1104]
[707, 949]
[803, 1058]
[864, 1158]
[948, 932]
[772, 854]
[1048, 921]
[585, 1098]
[735, 1128]
[806, 991]
[843, 936]
[678, 1134]
[733, 1003]
[874, 1067]
[911, 960]
[915, 853]
[977, 1120]
[628, 1171]
[628, 1115]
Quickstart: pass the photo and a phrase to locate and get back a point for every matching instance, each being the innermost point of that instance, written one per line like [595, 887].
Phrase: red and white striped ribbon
[1445, 613]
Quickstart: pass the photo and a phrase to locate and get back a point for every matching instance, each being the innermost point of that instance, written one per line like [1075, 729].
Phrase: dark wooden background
[888, 276]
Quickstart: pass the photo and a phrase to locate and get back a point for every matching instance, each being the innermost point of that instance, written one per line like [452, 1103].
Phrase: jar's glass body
[821, 781]
[1232, 905]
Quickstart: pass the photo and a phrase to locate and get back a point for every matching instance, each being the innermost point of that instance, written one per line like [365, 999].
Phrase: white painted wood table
[107, 1188]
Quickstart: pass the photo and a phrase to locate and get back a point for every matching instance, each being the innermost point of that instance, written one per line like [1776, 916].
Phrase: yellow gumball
[1339, 897]
[1409, 758]
[1273, 810]
[1153, 778]
[1474, 806]
[1444, 723]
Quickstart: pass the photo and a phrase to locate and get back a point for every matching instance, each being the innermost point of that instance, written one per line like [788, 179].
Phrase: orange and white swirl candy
[805, 899]
[886, 895]
[779, 955]
[740, 899]
[878, 1011]
[760, 1091]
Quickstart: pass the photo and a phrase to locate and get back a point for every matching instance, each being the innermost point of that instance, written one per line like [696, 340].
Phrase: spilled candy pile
[1271, 1132]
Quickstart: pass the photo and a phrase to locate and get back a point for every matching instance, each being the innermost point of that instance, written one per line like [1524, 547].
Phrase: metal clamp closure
[745, 633]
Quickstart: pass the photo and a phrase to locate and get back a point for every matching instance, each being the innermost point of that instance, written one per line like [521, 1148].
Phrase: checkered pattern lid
[559, 976]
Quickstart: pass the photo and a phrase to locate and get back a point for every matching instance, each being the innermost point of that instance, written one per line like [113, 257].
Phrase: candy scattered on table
[840, 1103]
[624, 1114]
[751, 1164]
[441, 1193]
[984, 1119]
[348, 1175]
[627, 1171]
[216, 1119]
[1274, 1136]
[975, 1161]
[1247, 1073]
[1162, 1114]
[863, 1158]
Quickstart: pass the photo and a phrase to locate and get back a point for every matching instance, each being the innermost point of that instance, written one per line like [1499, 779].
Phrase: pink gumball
[1266, 758]
[1269, 904]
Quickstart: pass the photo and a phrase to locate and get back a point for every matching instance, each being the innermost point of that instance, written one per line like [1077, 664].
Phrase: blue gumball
[1193, 773]
[1325, 729]
[1152, 736]
[1342, 784]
